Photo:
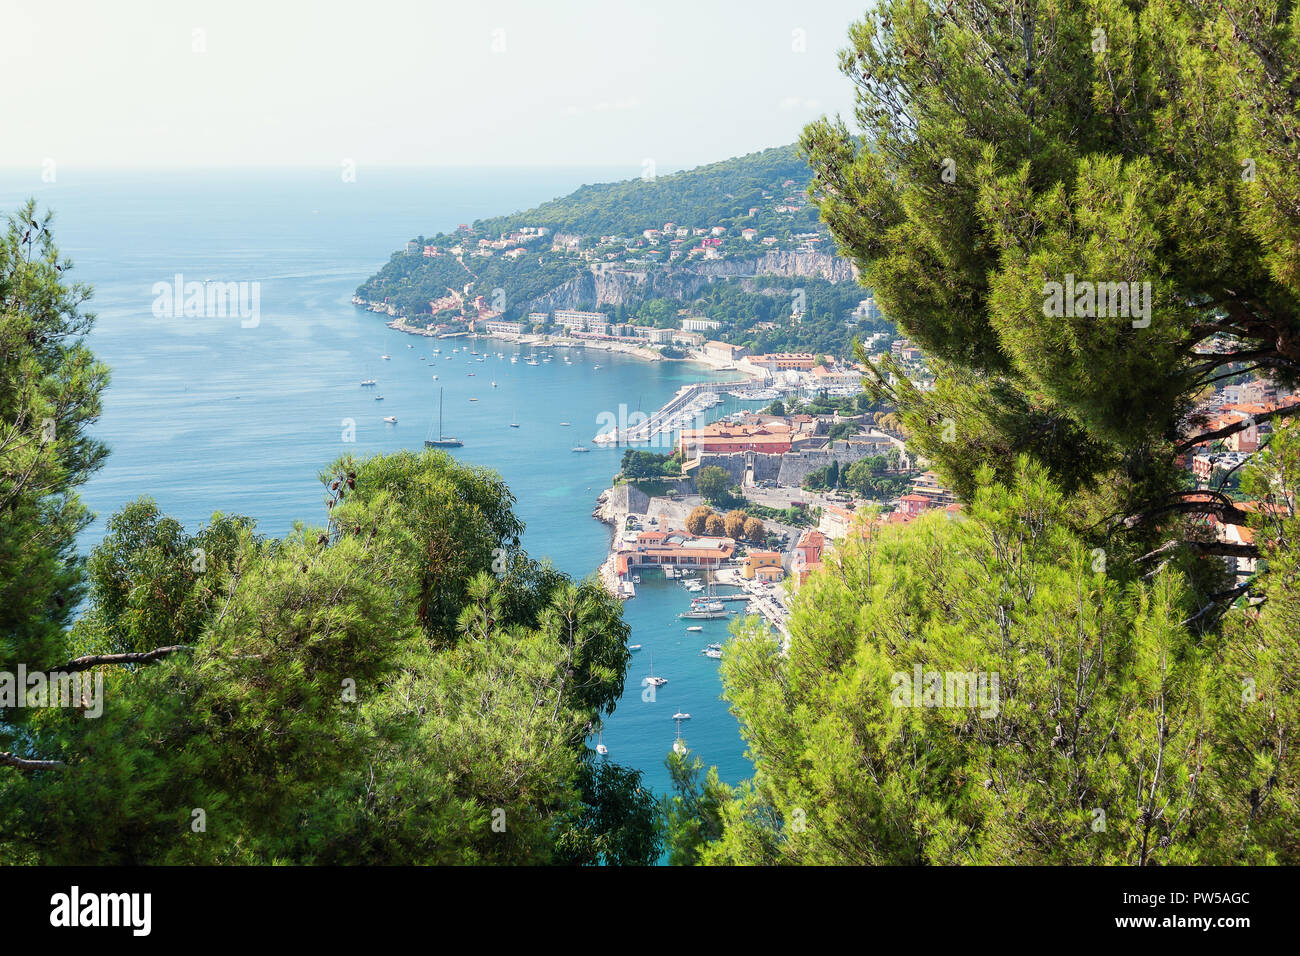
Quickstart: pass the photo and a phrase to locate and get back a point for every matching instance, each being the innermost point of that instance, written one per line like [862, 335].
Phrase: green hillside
[717, 194]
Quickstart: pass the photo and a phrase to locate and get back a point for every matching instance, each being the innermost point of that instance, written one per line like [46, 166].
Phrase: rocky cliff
[606, 284]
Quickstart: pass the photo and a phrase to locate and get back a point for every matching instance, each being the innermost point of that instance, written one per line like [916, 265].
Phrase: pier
[664, 420]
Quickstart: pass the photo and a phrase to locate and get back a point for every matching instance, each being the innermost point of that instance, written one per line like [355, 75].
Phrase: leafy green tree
[50, 386]
[713, 484]
[692, 811]
[1001, 154]
[1084, 746]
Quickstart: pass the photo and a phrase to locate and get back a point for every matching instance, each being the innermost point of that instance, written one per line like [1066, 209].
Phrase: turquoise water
[205, 415]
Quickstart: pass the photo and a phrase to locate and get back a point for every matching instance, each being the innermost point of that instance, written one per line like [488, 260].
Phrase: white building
[699, 325]
[573, 319]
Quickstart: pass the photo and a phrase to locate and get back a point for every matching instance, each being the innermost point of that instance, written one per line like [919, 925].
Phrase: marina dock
[681, 408]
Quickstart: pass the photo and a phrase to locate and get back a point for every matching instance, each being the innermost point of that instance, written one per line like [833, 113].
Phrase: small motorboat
[391, 419]
[634, 647]
[695, 627]
[385, 357]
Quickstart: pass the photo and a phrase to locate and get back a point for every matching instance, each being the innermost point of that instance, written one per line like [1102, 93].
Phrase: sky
[397, 82]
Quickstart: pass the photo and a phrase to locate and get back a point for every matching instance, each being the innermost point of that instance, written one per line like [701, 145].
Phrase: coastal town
[777, 464]
[819, 465]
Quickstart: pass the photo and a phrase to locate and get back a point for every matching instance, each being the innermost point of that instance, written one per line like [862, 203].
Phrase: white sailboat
[679, 745]
[600, 744]
[442, 441]
[652, 680]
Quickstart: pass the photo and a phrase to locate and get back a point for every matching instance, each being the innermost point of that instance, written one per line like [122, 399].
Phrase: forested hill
[720, 193]
[732, 242]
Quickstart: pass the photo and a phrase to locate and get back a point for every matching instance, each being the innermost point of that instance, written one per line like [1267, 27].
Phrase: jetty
[667, 419]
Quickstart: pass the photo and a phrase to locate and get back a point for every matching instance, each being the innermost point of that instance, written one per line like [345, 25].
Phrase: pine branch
[136, 657]
[22, 763]
[1225, 548]
[1238, 426]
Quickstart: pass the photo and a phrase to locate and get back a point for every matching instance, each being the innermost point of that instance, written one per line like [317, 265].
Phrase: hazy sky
[554, 82]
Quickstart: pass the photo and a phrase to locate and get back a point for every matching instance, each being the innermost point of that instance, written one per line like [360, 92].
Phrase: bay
[206, 415]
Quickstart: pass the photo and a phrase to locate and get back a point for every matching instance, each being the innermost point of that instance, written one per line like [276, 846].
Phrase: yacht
[681, 716]
[442, 441]
[704, 613]
[652, 680]
[713, 652]
[385, 357]
[368, 381]
[581, 448]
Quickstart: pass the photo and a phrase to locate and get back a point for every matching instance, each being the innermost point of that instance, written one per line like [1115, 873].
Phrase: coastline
[645, 353]
[613, 505]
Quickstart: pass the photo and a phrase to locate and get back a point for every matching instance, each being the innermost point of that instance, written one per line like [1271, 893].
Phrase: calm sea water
[205, 415]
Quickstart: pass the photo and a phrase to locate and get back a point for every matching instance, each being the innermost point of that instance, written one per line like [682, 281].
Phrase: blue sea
[204, 414]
